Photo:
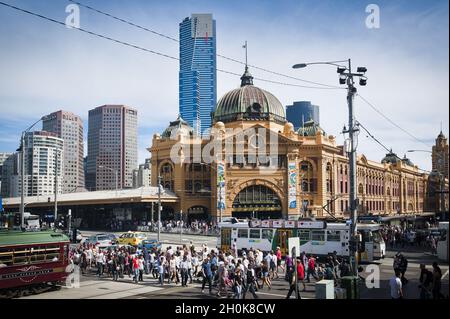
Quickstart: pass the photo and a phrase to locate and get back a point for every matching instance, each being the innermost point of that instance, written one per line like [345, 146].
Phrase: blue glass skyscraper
[197, 78]
[302, 111]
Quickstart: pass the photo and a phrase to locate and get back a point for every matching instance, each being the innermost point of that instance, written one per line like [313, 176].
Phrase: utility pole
[56, 187]
[22, 181]
[351, 90]
[181, 227]
[159, 208]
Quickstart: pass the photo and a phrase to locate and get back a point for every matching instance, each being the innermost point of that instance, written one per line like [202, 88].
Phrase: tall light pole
[56, 187]
[346, 77]
[22, 172]
[159, 208]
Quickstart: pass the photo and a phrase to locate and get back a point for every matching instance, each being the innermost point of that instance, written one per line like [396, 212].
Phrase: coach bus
[316, 237]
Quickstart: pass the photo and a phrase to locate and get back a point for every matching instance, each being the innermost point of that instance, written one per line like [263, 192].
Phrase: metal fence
[177, 230]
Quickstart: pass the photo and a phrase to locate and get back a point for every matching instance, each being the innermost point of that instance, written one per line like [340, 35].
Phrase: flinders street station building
[254, 164]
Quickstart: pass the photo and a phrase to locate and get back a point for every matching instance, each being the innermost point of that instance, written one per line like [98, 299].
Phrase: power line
[219, 55]
[90, 32]
[148, 50]
[389, 150]
[391, 121]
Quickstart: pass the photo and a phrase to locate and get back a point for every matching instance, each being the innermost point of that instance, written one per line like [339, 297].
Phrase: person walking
[293, 282]
[184, 268]
[161, 269]
[301, 273]
[436, 287]
[395, 284]
[311, 269]
[207, 274]
[426, 280]
[250, 282]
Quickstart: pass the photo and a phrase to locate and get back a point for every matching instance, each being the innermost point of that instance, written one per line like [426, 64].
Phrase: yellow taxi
[131, 238]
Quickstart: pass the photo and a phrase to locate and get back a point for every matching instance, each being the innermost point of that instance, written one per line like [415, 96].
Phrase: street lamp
[22, 171]
[159, 207]
[346, 77]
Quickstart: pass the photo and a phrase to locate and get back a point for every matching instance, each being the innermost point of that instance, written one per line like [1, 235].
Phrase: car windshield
[140, 236]
[103, 238]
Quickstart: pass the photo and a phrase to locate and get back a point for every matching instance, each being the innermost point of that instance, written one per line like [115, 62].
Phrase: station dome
[249, 103]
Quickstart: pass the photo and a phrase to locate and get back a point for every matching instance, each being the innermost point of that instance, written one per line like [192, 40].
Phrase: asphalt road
[92, 287]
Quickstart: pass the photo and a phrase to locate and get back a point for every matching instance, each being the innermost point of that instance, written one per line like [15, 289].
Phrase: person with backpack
[250, 282]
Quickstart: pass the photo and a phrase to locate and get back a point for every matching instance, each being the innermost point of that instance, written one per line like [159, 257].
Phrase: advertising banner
[221, 185]
[292, 185]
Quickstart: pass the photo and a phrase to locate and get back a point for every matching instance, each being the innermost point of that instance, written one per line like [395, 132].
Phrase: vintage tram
[31, 262]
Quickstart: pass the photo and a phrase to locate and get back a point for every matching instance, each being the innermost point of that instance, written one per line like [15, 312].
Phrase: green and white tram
[316, 237]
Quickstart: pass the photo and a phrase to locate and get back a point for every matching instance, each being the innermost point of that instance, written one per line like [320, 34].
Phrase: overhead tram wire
[147, 50]
[389, 150]
[391, 121]
[89, 32]
[217, 54]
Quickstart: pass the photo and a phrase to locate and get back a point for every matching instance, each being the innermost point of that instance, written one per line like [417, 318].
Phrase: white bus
[442, 244]
[317, 238]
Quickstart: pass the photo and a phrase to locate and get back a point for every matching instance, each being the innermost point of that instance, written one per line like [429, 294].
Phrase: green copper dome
[249, 103]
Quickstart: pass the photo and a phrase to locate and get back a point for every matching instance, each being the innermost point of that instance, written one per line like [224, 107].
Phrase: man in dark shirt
[426, 279]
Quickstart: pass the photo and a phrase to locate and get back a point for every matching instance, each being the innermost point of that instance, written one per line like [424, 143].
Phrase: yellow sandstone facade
[258, 166]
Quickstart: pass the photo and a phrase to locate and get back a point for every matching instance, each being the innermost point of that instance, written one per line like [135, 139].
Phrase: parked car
[101, 240]
[150, 244]
[131, 238]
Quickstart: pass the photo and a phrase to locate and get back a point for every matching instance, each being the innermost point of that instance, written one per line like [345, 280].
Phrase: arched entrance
[197, 213]
[257, 201]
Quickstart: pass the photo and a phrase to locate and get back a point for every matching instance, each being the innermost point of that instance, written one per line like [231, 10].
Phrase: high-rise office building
[69, 127]
[112, 147]
[44, 160]
[301, 112]
[6, 169]
[197, 77]
[142, 177]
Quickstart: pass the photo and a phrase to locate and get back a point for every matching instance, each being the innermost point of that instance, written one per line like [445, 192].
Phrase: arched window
[329, 175]
[198, 178]
[166, 174]
[307, 180]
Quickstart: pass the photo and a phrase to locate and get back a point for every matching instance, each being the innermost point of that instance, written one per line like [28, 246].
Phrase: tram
[31, 261]
[316, 237]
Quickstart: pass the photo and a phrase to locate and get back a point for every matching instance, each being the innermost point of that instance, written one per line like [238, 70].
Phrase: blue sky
[46, 67]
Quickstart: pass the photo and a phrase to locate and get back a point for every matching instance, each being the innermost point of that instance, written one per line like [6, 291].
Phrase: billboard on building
[292, 185]
[221, 185]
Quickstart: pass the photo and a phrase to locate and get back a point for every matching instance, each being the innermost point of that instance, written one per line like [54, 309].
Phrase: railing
[176, 230]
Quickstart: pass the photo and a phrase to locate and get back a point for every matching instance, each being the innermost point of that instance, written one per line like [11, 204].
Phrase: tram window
[304, 235]
[267, 234]
[255, 233]
[243, 233]
[6, 257]
[333, 235]
[318, 235]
